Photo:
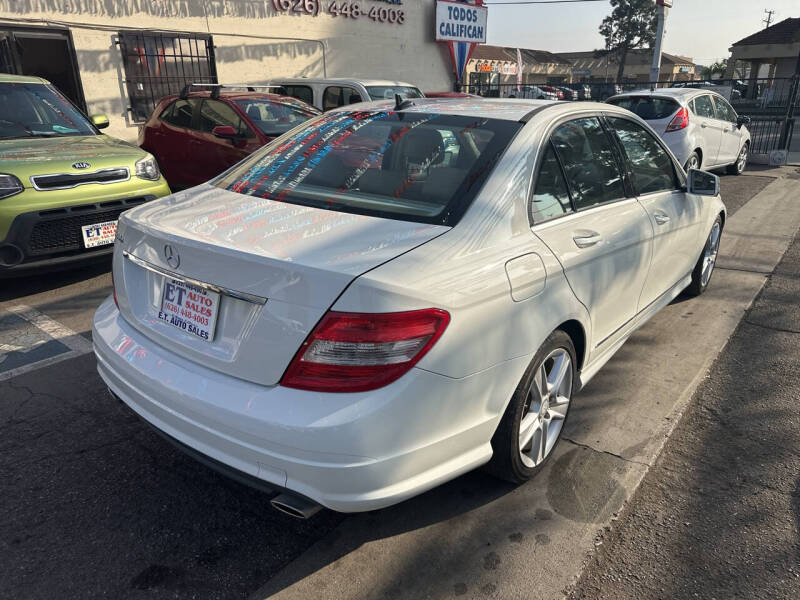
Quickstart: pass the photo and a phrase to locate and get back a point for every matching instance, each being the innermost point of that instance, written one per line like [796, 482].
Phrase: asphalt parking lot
[94, 504]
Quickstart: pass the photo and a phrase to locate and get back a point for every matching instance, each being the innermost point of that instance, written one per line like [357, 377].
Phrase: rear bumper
[348, 452]
[680, 144]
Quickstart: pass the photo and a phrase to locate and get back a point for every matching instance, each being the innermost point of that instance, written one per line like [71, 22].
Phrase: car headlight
[147, 168]
[9, 185]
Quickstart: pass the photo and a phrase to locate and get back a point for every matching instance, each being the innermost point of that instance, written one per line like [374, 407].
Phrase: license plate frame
[98, 234]
[194, 310]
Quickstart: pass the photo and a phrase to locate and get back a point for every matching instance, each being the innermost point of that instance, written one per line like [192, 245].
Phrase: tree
[631, 24]
[717, 68]
[721, 68]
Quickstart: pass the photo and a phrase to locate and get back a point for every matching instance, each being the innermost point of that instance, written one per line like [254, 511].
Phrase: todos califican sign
[460, 22]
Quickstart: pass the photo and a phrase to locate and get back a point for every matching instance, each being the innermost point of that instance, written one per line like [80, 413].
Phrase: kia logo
[172, 257]
[81, 165]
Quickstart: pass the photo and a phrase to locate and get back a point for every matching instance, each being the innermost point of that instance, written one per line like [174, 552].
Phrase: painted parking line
[30, 340]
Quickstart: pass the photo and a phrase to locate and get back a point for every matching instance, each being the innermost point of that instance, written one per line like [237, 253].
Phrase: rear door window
[589, 161]
[653, 170]
[408, 166]
[179, 113]
[336, 96]
[704, 107]
[301, 92]
[550, 197]
[387, 92]
[647, 107]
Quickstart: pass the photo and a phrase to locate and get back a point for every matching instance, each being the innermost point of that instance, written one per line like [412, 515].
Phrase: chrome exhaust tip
[295, 506]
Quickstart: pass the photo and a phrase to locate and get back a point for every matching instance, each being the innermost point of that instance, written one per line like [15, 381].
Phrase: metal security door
[9, 58]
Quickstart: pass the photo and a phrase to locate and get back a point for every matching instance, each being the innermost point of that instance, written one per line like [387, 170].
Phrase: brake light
[679, 121]
[356, 352]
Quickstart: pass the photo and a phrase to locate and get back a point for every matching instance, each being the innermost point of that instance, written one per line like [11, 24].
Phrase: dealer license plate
[99, 234]
[190, 308]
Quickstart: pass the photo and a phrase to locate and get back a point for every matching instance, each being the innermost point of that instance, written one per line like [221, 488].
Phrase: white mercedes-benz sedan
[391, 295]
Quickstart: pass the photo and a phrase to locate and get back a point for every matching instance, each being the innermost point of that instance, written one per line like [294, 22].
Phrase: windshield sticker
[289, 164]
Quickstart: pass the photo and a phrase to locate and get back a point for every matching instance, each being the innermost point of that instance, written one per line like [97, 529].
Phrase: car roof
[342, 80]
[7, 78]
[508, 109]
[240, 96]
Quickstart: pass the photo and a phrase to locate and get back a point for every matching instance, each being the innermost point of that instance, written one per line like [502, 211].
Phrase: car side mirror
[226, 132]
[702, 183]
[742, 120]
[99, 121]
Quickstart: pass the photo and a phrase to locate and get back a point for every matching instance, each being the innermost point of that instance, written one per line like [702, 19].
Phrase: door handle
[661, 218]
[585, 241]
[703, 125]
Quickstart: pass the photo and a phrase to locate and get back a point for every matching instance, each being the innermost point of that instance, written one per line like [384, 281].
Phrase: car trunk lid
[276, 267]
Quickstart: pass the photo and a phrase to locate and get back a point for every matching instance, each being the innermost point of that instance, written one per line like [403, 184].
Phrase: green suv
[63, 184]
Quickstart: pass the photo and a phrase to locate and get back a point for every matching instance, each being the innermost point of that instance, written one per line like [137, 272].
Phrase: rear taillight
[679, 121]
[356, 352]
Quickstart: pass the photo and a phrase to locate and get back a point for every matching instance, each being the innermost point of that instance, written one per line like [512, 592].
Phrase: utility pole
[662, 10]
[768, 20]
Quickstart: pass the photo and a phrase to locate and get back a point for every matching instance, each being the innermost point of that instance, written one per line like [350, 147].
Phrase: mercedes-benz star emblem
[172, 257]
[81, 165]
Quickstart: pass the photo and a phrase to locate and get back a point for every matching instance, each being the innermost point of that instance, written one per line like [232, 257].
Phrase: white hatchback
[700, 127]
[385, 298]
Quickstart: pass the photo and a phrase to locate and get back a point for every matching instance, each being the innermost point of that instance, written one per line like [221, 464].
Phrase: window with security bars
[160, 64]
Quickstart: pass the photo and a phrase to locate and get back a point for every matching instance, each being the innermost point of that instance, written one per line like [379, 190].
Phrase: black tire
[698, 286]
[694, 156]
[506, 462]
[738, 167]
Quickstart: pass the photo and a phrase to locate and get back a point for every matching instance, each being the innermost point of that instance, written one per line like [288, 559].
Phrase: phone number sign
[391, 14]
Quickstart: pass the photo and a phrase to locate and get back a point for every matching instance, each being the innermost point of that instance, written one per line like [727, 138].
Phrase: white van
[326, 94]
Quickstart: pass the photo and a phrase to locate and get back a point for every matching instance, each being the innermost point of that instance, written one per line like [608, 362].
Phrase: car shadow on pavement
[106, 507]
[12, 288]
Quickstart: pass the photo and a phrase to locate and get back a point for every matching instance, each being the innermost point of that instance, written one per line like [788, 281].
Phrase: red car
[547, 88]
[197, 135]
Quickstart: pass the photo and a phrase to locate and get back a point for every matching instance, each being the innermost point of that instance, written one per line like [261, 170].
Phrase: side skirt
[640, 319]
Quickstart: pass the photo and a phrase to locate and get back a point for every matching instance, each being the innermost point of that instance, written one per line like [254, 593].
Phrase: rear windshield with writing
[408, 166]
[649, 109]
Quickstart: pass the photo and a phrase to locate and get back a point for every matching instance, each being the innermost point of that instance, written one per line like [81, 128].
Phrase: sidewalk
[476, 539]
[718, 516]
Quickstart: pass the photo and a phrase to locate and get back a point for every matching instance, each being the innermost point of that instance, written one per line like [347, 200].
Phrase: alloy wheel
[694, 162]
[710, 254]
[741, 162]
[545, 407]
